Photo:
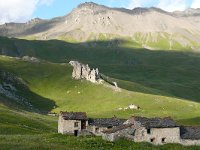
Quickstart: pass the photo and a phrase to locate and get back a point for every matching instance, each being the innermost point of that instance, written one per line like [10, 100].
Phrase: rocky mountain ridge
[149, 27]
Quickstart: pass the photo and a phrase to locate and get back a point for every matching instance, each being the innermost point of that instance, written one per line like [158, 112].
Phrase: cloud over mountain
[19, 10]
[168, 5]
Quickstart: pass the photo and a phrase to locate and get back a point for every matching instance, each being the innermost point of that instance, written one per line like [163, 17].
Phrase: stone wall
[67, 126]
[81, 71]
[96, 130]
[188, 142]
[127, 133]
[158, 135]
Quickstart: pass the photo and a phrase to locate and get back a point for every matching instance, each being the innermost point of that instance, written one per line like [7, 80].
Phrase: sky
[24, 10]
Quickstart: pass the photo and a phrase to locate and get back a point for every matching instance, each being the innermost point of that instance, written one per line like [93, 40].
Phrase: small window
[148, 131]
[163, 140]
[75, 124]
[152, 140]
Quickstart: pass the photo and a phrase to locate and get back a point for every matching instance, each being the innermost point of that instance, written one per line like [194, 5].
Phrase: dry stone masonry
[81, 71]
[157, 131]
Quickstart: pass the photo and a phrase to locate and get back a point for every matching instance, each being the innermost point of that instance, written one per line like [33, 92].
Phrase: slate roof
[117, 128]
[154, 122]
[192, 133]
[74, 115]
[106, 122]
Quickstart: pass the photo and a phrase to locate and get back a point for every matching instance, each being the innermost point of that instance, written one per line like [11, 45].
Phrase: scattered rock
[9, 88]
[120, 108]
[52, 114]
[132, 106]
[30, 59]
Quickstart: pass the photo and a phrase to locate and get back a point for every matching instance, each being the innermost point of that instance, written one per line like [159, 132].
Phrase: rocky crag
[82, 71]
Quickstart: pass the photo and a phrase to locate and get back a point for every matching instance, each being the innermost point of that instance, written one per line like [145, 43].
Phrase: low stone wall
[94, 130]
[188, 142]
[125, 133]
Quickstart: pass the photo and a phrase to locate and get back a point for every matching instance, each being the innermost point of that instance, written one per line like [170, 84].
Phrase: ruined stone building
[72, 123]
[97, 126]
[138, 129]
[155, 131]
[81, 71]
[190, 135]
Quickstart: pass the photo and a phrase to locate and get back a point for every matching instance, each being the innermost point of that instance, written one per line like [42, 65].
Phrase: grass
[23, 130]
[52, 83]
[163, 83]
[55, 141]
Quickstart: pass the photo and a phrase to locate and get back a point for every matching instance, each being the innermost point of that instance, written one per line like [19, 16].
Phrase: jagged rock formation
[81, 71]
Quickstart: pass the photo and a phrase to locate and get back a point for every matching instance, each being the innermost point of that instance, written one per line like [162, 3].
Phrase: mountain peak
[90, 5]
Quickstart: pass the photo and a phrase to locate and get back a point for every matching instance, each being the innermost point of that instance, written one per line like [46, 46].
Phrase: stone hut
[153, 130]
[190, 135]
[97, 126]
[72, 123]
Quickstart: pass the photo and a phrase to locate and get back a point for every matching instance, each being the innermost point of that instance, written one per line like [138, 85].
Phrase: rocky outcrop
[81, 71]
[9, 87]
[30, 59]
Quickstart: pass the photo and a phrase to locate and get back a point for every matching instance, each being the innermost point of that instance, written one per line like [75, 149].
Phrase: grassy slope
[163, 84]
[23, 130]
[53, 83]
[161, 72]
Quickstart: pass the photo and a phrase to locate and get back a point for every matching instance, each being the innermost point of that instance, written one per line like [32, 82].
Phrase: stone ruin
[81, 71]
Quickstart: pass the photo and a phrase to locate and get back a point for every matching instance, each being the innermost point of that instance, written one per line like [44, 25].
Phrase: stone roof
[74, 115]
[117, 128]
[106, 122]
[154, 122]
[192, 133]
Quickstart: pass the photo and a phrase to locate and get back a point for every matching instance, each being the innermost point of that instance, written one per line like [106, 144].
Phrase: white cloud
[19, 10]
[168, 5]
[172, 5]
[195, 4]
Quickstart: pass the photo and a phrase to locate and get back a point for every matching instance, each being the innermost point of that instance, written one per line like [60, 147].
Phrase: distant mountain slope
[149, 27]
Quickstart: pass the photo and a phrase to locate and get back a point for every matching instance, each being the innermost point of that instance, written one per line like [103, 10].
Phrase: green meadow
[162, 82]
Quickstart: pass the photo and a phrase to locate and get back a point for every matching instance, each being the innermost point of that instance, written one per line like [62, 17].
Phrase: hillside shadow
[24, 99]
[169, 73]
[46, 105]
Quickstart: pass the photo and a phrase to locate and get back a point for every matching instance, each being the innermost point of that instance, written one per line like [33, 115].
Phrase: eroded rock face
[82, 71]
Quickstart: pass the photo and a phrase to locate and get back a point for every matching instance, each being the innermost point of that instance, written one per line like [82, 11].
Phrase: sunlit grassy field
[163, 83]
[51, 88]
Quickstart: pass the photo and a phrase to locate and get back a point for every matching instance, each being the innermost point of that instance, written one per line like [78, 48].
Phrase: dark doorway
[83, 124]
[75, 132]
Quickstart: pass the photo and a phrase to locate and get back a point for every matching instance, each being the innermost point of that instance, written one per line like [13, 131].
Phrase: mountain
[151, 28]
